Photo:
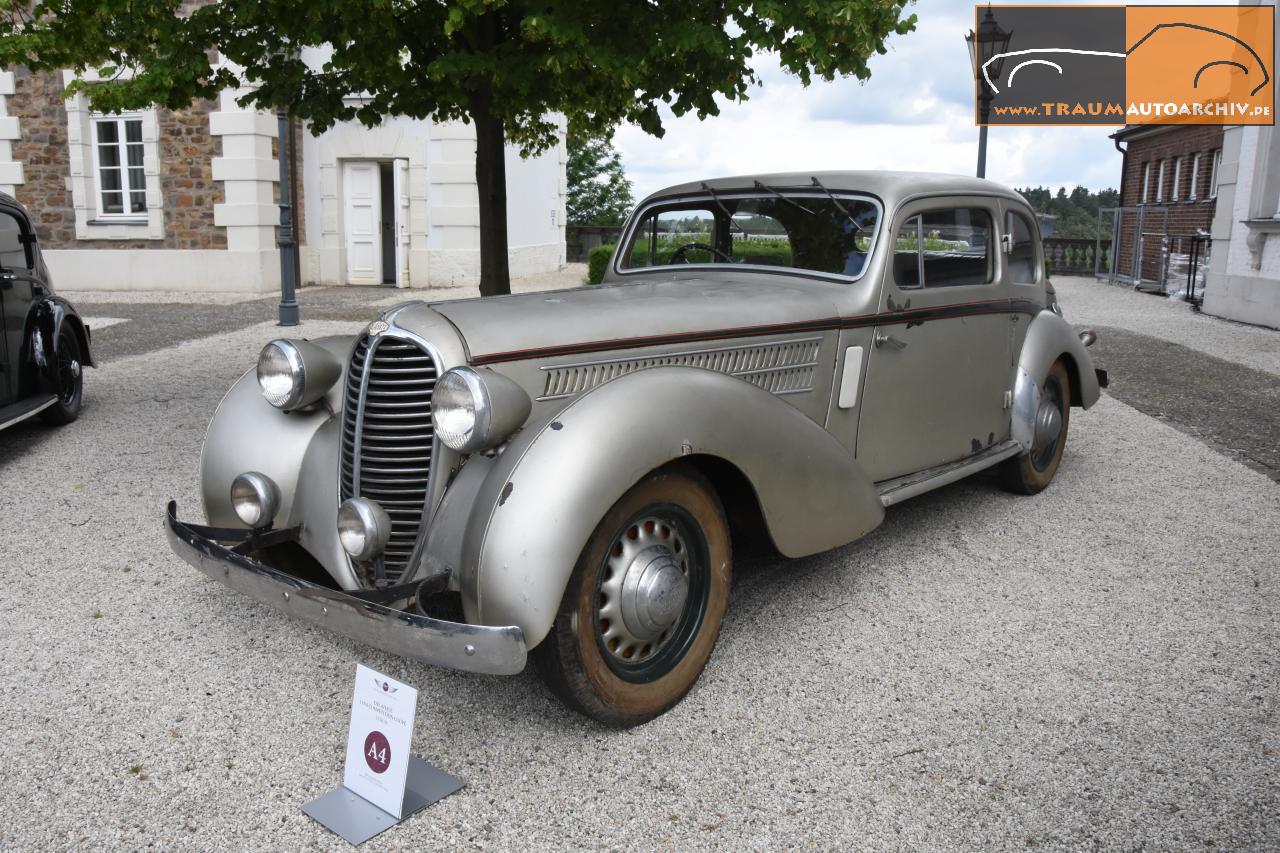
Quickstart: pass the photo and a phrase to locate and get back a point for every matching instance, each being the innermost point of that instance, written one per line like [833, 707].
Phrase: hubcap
[1048, 424]
[644, 590]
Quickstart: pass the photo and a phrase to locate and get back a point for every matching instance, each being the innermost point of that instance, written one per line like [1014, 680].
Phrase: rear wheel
[70, 389]
[1032, 471]
[643, 608]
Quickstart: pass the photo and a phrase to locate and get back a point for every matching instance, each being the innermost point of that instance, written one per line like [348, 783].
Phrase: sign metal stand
[382, 784]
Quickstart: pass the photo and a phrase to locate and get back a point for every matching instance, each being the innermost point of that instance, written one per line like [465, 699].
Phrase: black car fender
[45, 321]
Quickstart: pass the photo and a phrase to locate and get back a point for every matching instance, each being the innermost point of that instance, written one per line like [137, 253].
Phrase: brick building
[1168, 190]
[187, 200]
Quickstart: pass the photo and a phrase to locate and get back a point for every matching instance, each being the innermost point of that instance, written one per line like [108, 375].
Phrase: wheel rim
[1048, 429]
[68, 370]
[651, 593]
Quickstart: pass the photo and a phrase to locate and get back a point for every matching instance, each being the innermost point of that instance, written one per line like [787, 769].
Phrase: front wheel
[643, 608]
[70, 381]
[1031, 472]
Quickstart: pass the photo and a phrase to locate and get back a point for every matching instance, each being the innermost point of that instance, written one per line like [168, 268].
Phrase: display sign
[377, 765]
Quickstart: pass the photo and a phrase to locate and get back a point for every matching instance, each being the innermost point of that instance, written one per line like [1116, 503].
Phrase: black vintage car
[43, 342]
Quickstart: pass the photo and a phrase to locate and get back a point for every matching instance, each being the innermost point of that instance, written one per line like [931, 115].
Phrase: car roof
[890, 187]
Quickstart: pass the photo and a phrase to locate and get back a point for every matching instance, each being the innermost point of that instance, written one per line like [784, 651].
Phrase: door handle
[880, 340]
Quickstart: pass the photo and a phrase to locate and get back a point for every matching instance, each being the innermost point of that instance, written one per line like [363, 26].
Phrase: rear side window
[944, 248]
[13, 245]
[1023, 268]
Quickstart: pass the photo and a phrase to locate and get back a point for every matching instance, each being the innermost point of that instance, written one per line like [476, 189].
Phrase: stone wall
[186, 150]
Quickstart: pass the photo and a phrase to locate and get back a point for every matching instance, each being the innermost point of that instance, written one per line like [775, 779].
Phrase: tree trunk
[491, 183]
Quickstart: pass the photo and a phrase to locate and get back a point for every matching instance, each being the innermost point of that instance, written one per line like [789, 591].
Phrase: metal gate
[1140, 245]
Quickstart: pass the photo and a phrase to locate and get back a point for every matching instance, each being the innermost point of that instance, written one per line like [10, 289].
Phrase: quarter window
[944, 248]
[15, 253]
[118, 166]
[1023, 268]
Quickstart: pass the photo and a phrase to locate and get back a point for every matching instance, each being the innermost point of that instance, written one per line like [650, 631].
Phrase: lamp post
[989, 41]
[287, 240]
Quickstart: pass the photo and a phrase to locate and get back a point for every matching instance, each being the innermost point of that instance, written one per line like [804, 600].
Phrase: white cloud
[915, 113]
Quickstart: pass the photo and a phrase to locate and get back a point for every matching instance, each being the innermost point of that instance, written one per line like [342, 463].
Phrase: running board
[10, 415]
[900, 489]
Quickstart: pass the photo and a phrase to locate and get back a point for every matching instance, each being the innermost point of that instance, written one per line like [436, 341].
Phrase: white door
[402, 222]
[363, 209]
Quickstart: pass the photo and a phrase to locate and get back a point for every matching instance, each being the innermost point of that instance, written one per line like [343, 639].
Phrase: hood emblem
[377, 327]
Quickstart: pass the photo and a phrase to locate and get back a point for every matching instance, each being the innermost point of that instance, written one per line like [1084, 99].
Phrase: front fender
[298, 450]
[1049, 338]
[545, 494]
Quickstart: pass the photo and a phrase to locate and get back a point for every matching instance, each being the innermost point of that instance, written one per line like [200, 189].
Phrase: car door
[1024, 271]
[938, 369]
[17, 290]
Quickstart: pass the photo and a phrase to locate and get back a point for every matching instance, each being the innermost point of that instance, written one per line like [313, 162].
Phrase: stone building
[1244, 273]
[1168, 191]
[187, 200]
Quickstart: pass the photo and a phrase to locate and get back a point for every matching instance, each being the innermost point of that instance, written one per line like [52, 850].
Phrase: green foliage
[1075, 214]
[597, 263]
[599, 192]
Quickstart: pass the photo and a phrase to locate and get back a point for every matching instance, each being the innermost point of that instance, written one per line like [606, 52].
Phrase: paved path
[1092, 668]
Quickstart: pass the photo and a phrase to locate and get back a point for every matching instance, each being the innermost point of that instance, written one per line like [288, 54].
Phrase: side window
[952, 248]
[14, 253]
[663, 233]
[1023, 268]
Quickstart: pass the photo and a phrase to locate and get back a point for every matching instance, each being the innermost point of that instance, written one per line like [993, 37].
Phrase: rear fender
[1048, 339]
[547, 491]
[45, 320]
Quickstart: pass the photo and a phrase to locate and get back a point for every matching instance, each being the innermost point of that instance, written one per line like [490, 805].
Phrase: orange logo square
[1200, 64]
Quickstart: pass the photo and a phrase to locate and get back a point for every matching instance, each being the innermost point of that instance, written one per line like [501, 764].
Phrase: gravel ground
[1091, 302]
[1092, 667]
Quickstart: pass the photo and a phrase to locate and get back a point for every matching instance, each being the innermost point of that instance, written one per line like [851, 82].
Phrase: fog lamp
[363, 528]
[256, 499]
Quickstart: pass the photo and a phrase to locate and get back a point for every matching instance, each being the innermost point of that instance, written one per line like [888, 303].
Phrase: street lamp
[989, 41]
[287, 237]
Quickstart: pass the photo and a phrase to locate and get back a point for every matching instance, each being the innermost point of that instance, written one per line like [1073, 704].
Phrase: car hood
[599, 318]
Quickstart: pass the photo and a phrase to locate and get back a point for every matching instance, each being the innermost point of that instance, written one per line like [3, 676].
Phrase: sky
[914, 113]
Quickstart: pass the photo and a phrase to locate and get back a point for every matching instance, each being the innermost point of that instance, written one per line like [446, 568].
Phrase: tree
[507, 66]
[599, 192]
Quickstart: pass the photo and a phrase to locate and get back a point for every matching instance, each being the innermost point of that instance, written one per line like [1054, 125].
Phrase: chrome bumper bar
[474, 648]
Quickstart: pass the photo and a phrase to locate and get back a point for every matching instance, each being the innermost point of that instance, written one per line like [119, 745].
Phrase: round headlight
[461, 410]
[255, 498]
[363, 528]
[281, 375]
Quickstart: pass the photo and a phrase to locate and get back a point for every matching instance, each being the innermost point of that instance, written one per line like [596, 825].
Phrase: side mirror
[1006, 243]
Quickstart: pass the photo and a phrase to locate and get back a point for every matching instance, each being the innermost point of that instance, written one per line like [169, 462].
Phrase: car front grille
[387, 442]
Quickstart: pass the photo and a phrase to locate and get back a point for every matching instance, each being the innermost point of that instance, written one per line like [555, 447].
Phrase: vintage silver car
[771, 359]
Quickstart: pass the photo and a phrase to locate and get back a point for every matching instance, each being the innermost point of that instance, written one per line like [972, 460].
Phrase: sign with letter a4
[377, 765]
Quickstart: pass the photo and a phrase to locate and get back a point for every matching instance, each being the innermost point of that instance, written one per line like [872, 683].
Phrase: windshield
[803, 231]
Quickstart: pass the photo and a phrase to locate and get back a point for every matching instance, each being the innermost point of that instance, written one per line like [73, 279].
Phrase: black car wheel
[70, 381]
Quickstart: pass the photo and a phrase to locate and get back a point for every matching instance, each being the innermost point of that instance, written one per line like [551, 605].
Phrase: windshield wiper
[707, 188]
[790, 201]
[839, 206]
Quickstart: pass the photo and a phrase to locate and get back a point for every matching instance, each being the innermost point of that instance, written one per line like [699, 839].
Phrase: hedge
[598, 262]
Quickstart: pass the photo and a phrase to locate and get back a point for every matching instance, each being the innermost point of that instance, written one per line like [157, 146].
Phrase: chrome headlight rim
[364, 529]
[477, 435]
[297, 374]
[255, 498]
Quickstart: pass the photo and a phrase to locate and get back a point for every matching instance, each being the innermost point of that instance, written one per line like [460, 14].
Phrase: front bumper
[474, 648]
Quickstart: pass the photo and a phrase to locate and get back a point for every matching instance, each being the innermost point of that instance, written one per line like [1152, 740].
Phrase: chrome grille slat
[388, 439]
